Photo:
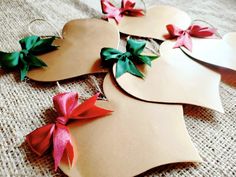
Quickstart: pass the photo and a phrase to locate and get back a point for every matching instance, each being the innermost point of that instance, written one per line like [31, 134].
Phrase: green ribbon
[26, 59]
[125, 61]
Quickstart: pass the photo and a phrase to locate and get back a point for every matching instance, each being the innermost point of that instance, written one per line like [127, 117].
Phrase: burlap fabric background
[27, 105]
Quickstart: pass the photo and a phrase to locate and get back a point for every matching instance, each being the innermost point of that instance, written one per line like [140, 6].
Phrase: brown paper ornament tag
[219, 52]
[174, 78]
[79, 50]
[136, 137]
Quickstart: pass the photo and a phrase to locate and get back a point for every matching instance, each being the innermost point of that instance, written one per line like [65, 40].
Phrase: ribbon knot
[62, 120]
[57, 134]
[184, 36]
[127, 8]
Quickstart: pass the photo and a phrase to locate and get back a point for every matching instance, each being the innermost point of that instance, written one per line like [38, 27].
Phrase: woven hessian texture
[25, 106]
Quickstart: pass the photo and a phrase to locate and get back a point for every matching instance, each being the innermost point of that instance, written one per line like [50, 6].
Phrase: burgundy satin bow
[127, 8]
[184, 36]
[57, 133]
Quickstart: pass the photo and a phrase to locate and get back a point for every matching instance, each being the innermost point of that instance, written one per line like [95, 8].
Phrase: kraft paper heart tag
[174, 78]
[79, 50]
[219, 52]
[153, 23]
[130, 140]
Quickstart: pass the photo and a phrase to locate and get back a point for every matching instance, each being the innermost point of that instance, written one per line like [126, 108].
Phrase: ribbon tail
[187, 42]
[93, 112]
[184, 40]
[40, 139]
[86, 105]
[118, 17]
[70, 153]
[62, 143]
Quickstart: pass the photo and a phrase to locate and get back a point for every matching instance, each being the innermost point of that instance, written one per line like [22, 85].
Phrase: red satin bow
[127, 8]
[184, 36]
[58, 134]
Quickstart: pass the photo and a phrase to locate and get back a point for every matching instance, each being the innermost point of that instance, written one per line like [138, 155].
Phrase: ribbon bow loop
[128, 4]
[64, 103]
[201, 32]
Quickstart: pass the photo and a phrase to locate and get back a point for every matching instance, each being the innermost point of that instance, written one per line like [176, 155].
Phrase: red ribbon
[127, 8]
[184, 36]
[57, 133]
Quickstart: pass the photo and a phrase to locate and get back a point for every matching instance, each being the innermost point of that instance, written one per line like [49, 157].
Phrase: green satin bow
[26, 58]
[125, 61]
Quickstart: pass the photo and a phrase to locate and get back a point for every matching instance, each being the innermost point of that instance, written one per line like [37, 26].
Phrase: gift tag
[79, 50]
[174, 78]
[136, 137]
[153, 23]
[219, 52]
